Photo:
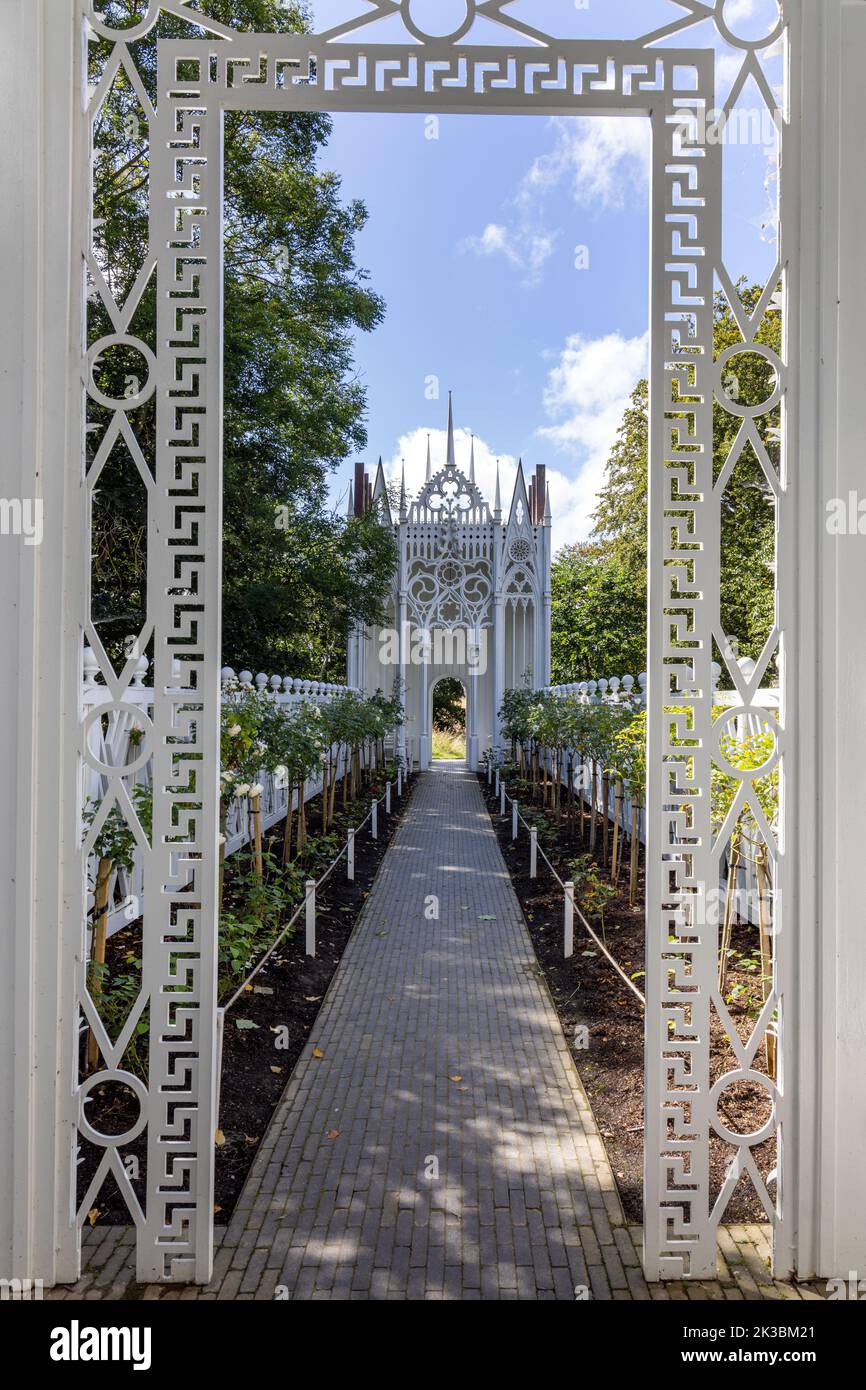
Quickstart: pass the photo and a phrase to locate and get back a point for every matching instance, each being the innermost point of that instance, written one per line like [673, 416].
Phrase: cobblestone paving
[435, 1141]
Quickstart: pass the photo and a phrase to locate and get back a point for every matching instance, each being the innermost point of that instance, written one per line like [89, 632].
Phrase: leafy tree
[449, 707]
[598, 615]
[295, 576]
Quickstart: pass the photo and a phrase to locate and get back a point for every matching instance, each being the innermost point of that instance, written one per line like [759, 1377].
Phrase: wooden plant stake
[605, 816]
[287, 832]
[592, 818]
[97, 949]
[302, 818]
[256, 813]
[617, 812]
[635, 850]
[766, 954]
[728, 922]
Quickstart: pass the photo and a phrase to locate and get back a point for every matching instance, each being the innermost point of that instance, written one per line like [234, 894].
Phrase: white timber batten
[43, 164]
[824, 193]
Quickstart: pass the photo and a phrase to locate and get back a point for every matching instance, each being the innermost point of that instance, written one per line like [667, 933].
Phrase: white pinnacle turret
[451, 456]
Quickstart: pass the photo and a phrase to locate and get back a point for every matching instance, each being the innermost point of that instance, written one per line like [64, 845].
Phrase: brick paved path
[441, 1146]
[442, 1056]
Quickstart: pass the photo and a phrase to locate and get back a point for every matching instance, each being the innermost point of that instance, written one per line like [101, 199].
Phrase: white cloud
[737, 10]
[603, 159]
[586, 394]
[524, 249]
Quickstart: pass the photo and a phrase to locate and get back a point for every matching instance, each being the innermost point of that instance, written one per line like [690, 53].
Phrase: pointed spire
[548, 514]
[350, 511]
[403, 511]
[520, 498]
[379, 495]
[472, 462]
[429, 462]
[497, 505]
[451, 457]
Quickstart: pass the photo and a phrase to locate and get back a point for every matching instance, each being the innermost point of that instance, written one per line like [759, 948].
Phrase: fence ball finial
[246, 677]
[276, 682]
[90, 666]
[140, 671]
[227, 674]
[628, 684]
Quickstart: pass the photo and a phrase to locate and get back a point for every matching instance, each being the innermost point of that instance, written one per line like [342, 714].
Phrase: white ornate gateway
[493, 60]
[471, 598]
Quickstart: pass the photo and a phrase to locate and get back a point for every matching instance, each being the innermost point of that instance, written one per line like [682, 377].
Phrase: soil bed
[589, 995]
[276, 1015]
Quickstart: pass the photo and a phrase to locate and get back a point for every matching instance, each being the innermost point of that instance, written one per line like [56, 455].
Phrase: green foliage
[449, 707]
[596, 608]
[115, 840]
[591, 889]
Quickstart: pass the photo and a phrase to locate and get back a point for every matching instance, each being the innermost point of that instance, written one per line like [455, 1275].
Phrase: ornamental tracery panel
[162, 412]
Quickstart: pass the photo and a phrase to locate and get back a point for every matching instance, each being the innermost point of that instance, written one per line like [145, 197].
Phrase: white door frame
[823, 1227]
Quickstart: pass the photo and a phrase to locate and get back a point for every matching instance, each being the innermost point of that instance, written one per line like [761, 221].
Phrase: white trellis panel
[532, 71]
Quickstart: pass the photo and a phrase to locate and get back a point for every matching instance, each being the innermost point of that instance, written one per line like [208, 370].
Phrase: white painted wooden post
[388, 798]
[514, 819]
[43, 232]
[823, 578]
[400, 782]
[533, 853]
[568, 941]
[502, 799]
[350, 857]
[374, 822]
[311, 917]
[497, 782]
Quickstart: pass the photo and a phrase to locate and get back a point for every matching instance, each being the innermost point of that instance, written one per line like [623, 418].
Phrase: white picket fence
[109, 740]
[630, 693]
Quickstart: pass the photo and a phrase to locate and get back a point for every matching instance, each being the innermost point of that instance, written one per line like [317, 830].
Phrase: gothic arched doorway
[449, 720]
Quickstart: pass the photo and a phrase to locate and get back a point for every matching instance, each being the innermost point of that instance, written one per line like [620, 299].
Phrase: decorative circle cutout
[735, 1078]
[723, 372]
[141, 721]
[132, 31]
[450, 20]
[131, 1083]
[143, 393]
[765, 726]
[766, 30]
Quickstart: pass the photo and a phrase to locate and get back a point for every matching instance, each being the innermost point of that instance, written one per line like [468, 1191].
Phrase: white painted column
[424, 713]
[472, 687]
[403, 642]
[824, 186]
[42, 231]
[498, 668]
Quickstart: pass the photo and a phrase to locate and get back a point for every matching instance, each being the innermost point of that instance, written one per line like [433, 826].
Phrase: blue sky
[473, 241]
